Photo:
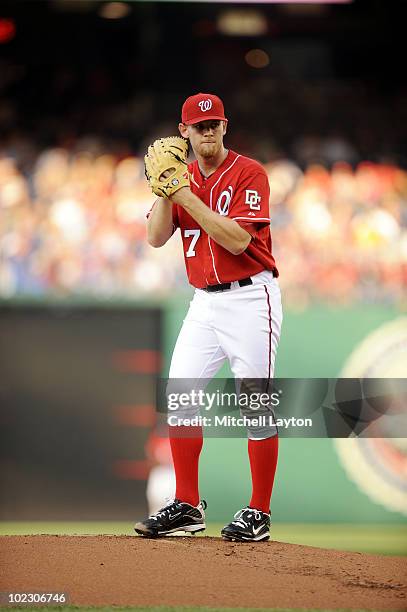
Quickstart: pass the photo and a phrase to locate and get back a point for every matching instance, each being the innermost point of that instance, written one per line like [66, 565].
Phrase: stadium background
[90, 312]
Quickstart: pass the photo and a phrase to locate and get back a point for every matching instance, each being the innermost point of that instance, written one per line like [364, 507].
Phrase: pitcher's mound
[200, 571]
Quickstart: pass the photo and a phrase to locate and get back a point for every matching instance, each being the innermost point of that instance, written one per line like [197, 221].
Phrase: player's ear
[183, 130]
[225, 123]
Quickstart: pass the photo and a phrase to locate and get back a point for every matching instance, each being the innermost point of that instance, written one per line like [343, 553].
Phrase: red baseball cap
[201, 107]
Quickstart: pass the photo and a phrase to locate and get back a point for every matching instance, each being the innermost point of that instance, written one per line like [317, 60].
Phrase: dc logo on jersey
[253, 199]
[223, 203]
[205, 105]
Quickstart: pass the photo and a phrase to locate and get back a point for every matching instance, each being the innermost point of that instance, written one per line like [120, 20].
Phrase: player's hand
[166, 167]
[181, 195]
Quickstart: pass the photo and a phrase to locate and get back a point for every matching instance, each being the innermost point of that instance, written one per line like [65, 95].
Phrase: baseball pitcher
[220, 204]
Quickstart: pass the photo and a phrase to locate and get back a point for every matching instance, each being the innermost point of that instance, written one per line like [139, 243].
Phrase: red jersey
[238, 189]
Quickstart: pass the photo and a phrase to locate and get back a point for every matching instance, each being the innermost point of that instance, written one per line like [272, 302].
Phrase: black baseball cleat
[250, 525]
[175, 516]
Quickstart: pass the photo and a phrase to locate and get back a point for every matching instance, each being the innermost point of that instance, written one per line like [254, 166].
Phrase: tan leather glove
[166, 166]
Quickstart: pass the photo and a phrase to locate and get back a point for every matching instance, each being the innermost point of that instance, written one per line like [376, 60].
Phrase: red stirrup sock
[263, 462]
[186, 445]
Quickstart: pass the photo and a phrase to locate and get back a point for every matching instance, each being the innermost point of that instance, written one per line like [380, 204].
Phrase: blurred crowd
[73, 223]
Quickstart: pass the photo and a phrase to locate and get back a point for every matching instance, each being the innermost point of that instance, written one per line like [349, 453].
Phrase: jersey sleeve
[251, 201]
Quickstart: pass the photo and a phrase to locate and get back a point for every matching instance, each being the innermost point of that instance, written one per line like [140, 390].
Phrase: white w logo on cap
[205, 105]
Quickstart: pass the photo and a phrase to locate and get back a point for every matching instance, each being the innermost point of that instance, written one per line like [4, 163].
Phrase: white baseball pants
[242, 324]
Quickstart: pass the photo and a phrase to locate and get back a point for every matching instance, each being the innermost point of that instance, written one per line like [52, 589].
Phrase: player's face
[206, 137]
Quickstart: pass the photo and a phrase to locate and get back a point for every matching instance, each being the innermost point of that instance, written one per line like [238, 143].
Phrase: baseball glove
[166, 167]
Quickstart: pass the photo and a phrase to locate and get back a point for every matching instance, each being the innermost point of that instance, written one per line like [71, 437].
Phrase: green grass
[378, 538]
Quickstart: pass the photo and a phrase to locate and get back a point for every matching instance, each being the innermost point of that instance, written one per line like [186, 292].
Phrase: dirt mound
[194, 571]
